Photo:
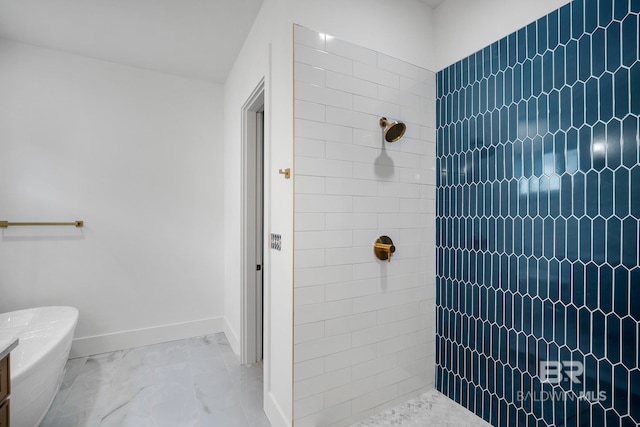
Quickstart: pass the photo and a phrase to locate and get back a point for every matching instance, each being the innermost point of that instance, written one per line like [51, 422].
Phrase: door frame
[251, 309]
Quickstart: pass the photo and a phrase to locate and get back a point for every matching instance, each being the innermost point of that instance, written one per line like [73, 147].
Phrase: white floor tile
[197, 382]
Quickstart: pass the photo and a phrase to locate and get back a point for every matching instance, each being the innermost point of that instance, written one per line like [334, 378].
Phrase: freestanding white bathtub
[37, 363]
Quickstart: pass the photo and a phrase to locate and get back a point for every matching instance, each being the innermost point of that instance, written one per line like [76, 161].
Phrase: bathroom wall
[461, 26]
[136, 155]
[537, 222]
[363, 328]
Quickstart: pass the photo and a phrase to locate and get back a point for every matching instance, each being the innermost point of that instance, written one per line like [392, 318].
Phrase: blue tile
[606, 290]
[634, 291]
[532, 39]
[629, 343]
[630, 243]
[620, 8]
[557, 72]
[554, 196]
[606, 193]
[517, 83]
[521, 45]
[578, 102]
[614, 150]
[630, 40]
[605, 12]
[620, 390]
[495, 60]
[527, 79]
[565, 107]
[483, 95]
[577, 19]
[621, 292]
[591, 101]
[512, 49]
[565, 23]
[584, 317]
[591, 286]
[592, 198]
[566, 196]
[571, 58]
[590, 16]
[527, 240]
[548, 234]
[571, 155]
[605, 383]
[621, 88]
[629, 145]
[543, 34]
[578, 195]
[559, 153]
[585, 144]
[560, 247]
[606, 97]
[613, 47]
[496, 126]
[537, 75]
[621, 192]
[585, 239]
[599, 146]
[503, 53]
[598, 236]
[571, 325]
[584, 58]
[572, 239]
[634, 82]
[499, 90]
[599, 334]
[486, 61]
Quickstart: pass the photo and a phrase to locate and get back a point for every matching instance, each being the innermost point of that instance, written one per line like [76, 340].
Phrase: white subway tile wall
[364, 329]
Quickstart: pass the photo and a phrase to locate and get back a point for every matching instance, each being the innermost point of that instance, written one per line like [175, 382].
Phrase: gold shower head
[393, 131]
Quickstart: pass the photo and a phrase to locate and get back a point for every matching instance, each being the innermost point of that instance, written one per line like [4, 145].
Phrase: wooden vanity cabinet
[5, 391]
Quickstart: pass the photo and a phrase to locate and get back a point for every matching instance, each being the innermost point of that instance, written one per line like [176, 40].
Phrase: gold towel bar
[5, 224]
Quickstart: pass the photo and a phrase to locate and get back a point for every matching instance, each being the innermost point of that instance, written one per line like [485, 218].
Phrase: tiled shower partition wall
[538, 209]
[364, 329]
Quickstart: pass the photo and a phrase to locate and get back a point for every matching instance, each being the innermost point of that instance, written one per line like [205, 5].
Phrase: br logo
[554, 372]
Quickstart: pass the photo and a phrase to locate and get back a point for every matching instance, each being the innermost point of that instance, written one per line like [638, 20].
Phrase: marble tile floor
[431, 409]
[196, 382]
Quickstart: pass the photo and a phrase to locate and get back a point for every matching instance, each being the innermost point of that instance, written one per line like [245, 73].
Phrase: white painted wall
[268, 52]
[463, 27]
[401, 28]
[364, 329]
[135, 154]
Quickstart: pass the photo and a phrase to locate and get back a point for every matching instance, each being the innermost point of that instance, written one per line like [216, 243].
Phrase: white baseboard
[232, 337]
[98, 344]
[274, 412]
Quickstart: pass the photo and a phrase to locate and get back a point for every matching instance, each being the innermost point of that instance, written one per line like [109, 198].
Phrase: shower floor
[430, 409]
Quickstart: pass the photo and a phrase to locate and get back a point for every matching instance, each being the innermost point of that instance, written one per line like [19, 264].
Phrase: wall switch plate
[276, 242]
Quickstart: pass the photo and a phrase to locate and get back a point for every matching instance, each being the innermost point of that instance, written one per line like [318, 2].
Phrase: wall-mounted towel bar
[5, 224]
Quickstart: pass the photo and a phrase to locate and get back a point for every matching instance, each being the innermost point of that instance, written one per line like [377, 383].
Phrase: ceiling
[197, 39]
[432, 3]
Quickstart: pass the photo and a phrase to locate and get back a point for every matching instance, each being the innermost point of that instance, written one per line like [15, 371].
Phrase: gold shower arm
[5, 224]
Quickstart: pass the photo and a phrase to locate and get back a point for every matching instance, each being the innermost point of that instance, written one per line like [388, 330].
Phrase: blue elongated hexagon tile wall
[538, 222]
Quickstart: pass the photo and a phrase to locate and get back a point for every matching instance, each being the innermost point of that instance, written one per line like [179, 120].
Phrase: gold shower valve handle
[286, 172]
[383, 248]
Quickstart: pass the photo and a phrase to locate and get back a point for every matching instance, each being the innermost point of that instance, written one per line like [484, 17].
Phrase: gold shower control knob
[383, 248]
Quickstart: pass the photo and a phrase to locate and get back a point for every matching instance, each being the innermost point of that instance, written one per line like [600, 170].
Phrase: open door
[253, 227]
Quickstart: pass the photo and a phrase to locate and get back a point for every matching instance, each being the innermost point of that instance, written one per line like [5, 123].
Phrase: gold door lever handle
[384, 248]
